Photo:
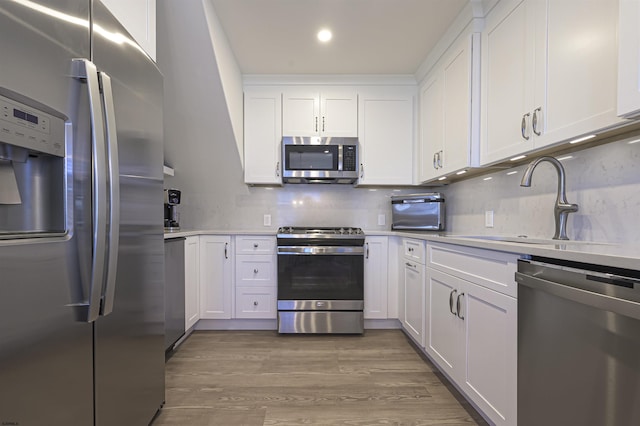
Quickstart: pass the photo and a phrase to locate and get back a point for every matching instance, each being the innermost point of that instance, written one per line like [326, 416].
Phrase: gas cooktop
[338, 232]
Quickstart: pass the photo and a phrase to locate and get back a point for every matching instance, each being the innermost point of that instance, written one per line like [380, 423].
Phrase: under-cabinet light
[461, 172]
[519, 157]
[582, 139]
[512, 173]
[633, 141]
[488, 178]
[568, 157]
[442, 178]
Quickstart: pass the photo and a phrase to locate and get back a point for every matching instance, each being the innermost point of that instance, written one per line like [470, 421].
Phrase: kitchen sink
[525, 240]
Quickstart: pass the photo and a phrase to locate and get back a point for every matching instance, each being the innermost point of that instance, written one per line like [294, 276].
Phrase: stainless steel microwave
[319, 160]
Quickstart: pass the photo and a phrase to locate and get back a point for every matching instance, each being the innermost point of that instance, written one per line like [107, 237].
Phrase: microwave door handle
[114, 195]
[86, 71]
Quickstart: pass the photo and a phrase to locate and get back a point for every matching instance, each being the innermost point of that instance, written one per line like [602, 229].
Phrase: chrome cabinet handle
[410, 265]
[323, 123]
[255, 271]
[278, 169]
[451, 300]
[316, 123]
[86, 72]
[440, 155]
[255, 245]
[458, 306]
[435, 162]
[361, 171]
[226, 250]
[113, 165]
[534, 121]
[255, 303]
[367, 251]
[523, 126]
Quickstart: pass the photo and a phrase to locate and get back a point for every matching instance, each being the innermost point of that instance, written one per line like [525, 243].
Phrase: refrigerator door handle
[114, 194]
[86, 70]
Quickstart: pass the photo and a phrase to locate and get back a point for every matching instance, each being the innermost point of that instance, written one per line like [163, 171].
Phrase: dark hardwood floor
[262, 378]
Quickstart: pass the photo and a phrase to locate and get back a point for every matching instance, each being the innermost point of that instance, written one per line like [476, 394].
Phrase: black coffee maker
[171, 216]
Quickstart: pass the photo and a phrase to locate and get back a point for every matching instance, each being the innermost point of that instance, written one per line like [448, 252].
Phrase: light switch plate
[382, 219]
[488, 219]
[267, 220]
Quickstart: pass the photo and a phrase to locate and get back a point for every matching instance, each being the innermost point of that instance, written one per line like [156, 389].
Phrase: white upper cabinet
[308, 111]
[629, 59]
[262, 135]
[386, 123]
[450, 111]
[547, 74]
[139, 19]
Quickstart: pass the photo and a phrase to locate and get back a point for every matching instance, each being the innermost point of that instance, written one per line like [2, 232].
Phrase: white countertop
[615, 255]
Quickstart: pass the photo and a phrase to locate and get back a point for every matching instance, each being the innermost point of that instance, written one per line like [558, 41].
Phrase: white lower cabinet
[376, 281]
[414, 285]
[216, 268]
[471, 330]
[191, 281]
[255, 282]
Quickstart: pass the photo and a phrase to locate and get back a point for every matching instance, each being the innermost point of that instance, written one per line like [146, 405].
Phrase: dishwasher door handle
[600, 301]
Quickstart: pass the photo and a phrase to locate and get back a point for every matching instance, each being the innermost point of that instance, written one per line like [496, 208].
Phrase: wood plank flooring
[262, 378]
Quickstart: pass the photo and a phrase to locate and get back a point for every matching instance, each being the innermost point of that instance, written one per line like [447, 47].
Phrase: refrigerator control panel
[30, 128]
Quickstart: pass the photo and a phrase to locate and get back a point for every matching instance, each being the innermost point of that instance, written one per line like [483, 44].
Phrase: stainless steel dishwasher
[174, 309]
[578, 344]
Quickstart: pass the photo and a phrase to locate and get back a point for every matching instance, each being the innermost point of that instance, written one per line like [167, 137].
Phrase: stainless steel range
[320, 280]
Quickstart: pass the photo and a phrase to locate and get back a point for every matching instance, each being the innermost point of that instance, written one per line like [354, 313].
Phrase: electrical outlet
[266, 220]
[382, 219]
[488, 219]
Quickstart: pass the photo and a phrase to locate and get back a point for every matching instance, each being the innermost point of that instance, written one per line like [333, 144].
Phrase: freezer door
[45, 352]
[129, 341]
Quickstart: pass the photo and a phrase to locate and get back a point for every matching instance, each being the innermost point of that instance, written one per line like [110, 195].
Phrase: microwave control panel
[349, 158]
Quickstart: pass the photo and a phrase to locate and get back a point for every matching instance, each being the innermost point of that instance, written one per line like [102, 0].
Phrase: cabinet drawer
[257, 269]
[255, 244]
[492, 269]
[256, 302]
[414, 249]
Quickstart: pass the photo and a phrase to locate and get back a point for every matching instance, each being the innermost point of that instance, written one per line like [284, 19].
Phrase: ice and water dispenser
[32, 169]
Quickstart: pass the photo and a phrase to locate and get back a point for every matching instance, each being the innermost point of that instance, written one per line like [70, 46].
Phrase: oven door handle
[322, 250]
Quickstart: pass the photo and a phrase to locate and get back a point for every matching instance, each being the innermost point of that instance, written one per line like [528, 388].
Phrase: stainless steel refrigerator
[81, 219]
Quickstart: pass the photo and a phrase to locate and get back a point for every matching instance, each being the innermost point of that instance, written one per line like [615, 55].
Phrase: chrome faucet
[562, 208]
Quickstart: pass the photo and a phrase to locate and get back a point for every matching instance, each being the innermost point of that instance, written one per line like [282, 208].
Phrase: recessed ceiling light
[324, 35]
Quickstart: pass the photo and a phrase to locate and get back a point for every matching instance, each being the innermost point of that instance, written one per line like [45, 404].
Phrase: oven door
[320, 273]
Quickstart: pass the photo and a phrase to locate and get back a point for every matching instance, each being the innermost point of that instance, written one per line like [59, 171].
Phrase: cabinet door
[461, 134]
[339, 113]
[216, 258]
[508, 47]
[444, 329]
[192, 281]
[581, 78]
[300, 112]
[139, 19]
[375, 277]
[414, 300]
[490, 376]
[262, 135]
[431, 126]
[629, 58]
[386, 133]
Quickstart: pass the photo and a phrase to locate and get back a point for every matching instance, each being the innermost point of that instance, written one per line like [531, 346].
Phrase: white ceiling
[369, 36]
